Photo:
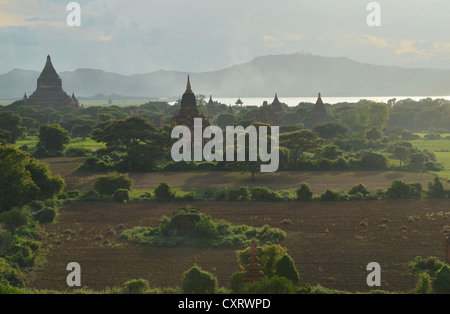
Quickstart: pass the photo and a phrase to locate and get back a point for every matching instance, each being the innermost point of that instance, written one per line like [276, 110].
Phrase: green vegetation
[189, 227]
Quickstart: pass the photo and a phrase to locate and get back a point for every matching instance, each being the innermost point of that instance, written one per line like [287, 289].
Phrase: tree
[24, 179]
[373, 133]
[135, 137]
[225, 119]
[12, 123]
[329, 130]
[375, 115]
[53, 138]
[401, 153]
[299, 142]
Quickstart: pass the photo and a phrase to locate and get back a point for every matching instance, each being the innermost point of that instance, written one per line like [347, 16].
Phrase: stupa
[189, 110]
[318, 115]
[49, 92]
[254, 270]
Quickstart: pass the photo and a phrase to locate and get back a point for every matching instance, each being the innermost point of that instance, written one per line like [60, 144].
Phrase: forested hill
[288, 75]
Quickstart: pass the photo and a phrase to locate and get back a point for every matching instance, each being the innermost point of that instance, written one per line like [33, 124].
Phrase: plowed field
[331, 243]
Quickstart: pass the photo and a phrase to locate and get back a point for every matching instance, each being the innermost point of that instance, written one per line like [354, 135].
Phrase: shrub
[373, 161]
[436, 189]
[263, 194]
[330, 196]
[78, 152]
[121, 196]
[240, 194]
[93, 163]
[270, 285]
[45, 216]
[89, 196]
[441, 284]
[401, 190]
[164, 192]
[429, 265]
[136, 286]
[107, 185]
[197, 281]
[285, 267]
[14, 219]
[304, 193]
[424, 284]
[359, 188]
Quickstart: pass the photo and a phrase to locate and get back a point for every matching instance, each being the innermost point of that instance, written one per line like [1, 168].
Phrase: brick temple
[49, 92]
[189, 110]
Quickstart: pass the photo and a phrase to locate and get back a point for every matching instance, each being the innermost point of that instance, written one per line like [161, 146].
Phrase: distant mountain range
[288, 75]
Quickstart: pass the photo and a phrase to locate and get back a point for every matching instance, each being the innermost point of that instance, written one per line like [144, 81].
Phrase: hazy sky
[137, 36]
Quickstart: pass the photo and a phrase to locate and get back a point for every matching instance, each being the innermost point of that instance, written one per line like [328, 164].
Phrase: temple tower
[318, 115]
[49, 92]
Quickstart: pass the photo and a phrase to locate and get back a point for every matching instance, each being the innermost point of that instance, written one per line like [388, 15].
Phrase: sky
[141, 36]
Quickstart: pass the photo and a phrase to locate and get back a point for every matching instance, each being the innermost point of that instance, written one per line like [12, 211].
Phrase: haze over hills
[288, 75]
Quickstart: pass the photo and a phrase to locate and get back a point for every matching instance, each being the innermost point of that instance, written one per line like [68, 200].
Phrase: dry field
[319, 181]
[331, 243]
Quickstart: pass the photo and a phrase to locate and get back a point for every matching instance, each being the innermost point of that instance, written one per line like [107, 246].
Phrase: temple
[189, 110]
[270, 113]
[49, 92]
[318, 115]
[211, 106]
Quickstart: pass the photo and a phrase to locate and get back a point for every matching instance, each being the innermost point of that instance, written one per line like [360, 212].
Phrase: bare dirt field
[319, 181]
[331, 243]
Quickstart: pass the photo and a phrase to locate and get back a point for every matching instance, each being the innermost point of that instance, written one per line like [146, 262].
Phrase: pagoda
[318, 115]
[254, 270]
[189, 110]
[49, 92]
[276, 105]
[211, 107]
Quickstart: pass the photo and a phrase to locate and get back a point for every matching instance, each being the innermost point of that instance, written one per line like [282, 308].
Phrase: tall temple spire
[49, 91]
[188, 87]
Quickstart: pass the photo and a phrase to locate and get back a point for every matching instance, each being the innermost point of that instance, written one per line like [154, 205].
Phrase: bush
[424, 284]
[136, 286]
[263, 194]
[14, 219]
[240, 194]
[401, 190]
[45, 216]
[286, 268]
[429, 265]
[270, 285]
[304, 193]
[359, 188]
[89, 196]
[164, 192]
[330, 196]
[197, 281]
[93, 163]
[436, 189]
[373, 161]
[78, 152]
[441, 284]
[121, 196]
[107, 185]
